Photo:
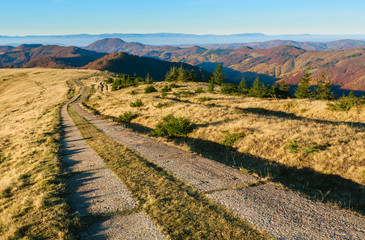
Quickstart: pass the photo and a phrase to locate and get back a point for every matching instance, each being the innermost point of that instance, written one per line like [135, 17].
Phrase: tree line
[322, 88]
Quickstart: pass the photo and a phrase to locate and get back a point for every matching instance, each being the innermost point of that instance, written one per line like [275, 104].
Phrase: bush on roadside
[171, 126]
[231, 138]
[127, 117]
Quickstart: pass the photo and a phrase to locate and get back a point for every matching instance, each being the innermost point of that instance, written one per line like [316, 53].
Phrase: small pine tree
[211, 86]
[192, 76]
[303, 90]
[242, 86]
[201, 76]
[148, 79]
[258, 89]
[274, 90]
[128, 82]
[284, 89]
[171, 76]
[323, 89]
[217, 76]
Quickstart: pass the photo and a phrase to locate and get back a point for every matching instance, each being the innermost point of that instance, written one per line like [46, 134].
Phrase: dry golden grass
[30, 184]
[268, 126]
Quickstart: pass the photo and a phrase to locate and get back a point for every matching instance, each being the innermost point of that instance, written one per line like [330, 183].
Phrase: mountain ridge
[169, 38]
[141, 66]
[345, 68]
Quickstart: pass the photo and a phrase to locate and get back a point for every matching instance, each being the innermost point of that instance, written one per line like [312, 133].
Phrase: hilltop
[53, 56]
[345, 68]
[141, 66]
[37, 55]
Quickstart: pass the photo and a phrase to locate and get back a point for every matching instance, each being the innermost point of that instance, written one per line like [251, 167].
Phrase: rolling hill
[345, 68]
[53, 56]
[141, 66]
[36, 55]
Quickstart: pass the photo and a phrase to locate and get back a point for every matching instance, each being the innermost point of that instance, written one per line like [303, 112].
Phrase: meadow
[298, 144]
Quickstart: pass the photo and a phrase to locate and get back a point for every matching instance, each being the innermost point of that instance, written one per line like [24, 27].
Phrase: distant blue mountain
[168, 38]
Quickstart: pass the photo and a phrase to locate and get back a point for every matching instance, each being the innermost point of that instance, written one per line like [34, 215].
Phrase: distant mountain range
[53, 56]
[343, 44]
[345, 68]
[169, 38]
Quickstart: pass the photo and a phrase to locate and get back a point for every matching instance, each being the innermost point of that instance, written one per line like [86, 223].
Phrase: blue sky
[56, 17]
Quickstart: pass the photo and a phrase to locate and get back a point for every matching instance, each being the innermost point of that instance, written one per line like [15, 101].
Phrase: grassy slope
[30, 185]
[268, 126]
[181, 211]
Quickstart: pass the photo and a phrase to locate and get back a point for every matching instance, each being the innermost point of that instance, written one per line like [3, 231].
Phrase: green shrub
[173, 85]
[137, 103]
[133, 92]
[173, 127]
[199, 90]
[165, 104]
[231, 138]
[163, 95]
[313, 148]
[109, 80]
[2, 159]
[183, 93]
[127, 117]
[150, 89]
[166, 88]
[345, 103]
[293, 146]
[231, 89]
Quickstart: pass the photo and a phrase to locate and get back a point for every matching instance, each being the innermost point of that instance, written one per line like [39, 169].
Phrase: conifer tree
[274, 90]
[211, 86]
[192, 76]
[201, 76]
[242, 86]
[303, 90]
[258, 89]
[148, 79]
[323, 89]
[284, 89]
[217, 76]
[171, 76]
